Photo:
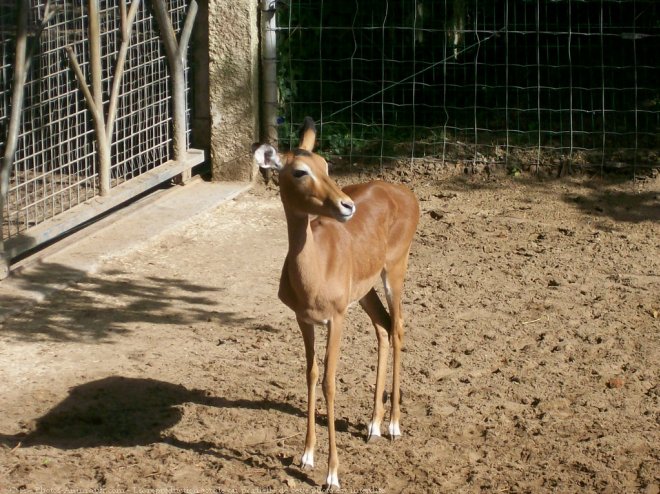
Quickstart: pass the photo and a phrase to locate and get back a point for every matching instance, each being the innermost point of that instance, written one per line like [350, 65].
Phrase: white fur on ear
[266, 156]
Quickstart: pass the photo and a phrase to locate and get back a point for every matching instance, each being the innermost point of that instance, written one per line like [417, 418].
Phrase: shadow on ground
[616, 198]
[125, 412]
[128, 412]
[97, 307]
[630, 207]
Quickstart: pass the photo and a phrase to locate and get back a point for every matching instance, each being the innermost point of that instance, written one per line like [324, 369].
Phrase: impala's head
[305, 186]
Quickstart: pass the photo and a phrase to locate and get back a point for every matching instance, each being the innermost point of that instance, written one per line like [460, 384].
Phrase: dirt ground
[531, 362]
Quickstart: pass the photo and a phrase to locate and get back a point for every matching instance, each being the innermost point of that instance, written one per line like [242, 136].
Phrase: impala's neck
[303, 256]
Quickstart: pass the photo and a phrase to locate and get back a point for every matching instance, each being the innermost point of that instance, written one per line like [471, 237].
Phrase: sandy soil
[531, 362]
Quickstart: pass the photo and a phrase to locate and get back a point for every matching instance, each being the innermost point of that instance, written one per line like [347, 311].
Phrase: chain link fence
[522, 84]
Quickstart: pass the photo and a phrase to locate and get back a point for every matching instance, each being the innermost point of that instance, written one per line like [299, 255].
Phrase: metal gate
[93, 109]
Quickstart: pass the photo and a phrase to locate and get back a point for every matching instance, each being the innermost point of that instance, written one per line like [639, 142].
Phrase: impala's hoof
[395, 431]
[332, 482]
[307, 461]
[374, 438]
[373, 433]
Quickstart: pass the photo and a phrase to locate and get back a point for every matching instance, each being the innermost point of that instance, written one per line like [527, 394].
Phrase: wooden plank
[89, 210]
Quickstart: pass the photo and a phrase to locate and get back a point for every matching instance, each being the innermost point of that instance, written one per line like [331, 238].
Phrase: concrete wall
[233, 66]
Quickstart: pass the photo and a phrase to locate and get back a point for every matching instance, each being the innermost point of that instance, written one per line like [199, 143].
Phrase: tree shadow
[629, 207]
[613, 197]
[101, 306]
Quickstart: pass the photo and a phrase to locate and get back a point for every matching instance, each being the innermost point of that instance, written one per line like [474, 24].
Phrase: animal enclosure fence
[97, 90]
[523, 83]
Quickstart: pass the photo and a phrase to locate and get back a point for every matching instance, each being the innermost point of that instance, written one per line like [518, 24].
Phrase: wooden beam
[73, 218]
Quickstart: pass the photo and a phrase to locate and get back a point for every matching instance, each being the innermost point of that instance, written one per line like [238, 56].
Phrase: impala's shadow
[127, 412]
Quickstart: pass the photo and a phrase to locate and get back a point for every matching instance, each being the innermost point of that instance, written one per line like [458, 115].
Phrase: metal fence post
[269, 71]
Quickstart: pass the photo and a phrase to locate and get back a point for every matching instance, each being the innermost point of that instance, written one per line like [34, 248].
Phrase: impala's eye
[300, 173]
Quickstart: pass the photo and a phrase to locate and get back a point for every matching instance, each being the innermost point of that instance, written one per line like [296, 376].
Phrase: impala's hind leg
[381, 321]
[393, 282]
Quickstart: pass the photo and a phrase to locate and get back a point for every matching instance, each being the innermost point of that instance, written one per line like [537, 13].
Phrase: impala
[341, 242]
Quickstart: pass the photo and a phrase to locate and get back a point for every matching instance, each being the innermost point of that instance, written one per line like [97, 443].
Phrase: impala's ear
[307, 135]
[266, 156]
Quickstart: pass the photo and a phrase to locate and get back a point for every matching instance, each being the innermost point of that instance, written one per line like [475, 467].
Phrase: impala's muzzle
[345, 210]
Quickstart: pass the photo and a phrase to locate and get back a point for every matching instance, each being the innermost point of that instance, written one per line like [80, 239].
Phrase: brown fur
[341, 242]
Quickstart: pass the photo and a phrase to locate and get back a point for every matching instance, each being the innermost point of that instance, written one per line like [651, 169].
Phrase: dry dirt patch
[531, 360]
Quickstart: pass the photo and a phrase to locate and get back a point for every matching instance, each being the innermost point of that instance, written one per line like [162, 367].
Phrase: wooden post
[14, 121]
[176, 59]
[96, 73]
[21, 67]
[103, 127]
[127, 20]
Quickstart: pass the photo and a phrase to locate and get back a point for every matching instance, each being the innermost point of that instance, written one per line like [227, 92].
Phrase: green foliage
[514, 170]
[338, 142]
[420, 74]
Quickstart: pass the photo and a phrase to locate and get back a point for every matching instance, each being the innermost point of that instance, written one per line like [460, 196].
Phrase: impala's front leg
[332, 353]
[312, 378]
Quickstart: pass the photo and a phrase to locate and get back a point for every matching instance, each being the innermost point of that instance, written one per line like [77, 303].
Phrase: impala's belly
[311, 315]
[311, 306]
[361, 287]
[313, 319]
[322, 309]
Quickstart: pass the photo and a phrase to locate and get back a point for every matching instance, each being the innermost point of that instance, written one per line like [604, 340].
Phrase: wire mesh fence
[522, 83]
[56, 164]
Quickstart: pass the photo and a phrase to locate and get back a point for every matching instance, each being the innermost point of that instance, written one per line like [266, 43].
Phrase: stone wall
[233, 89]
